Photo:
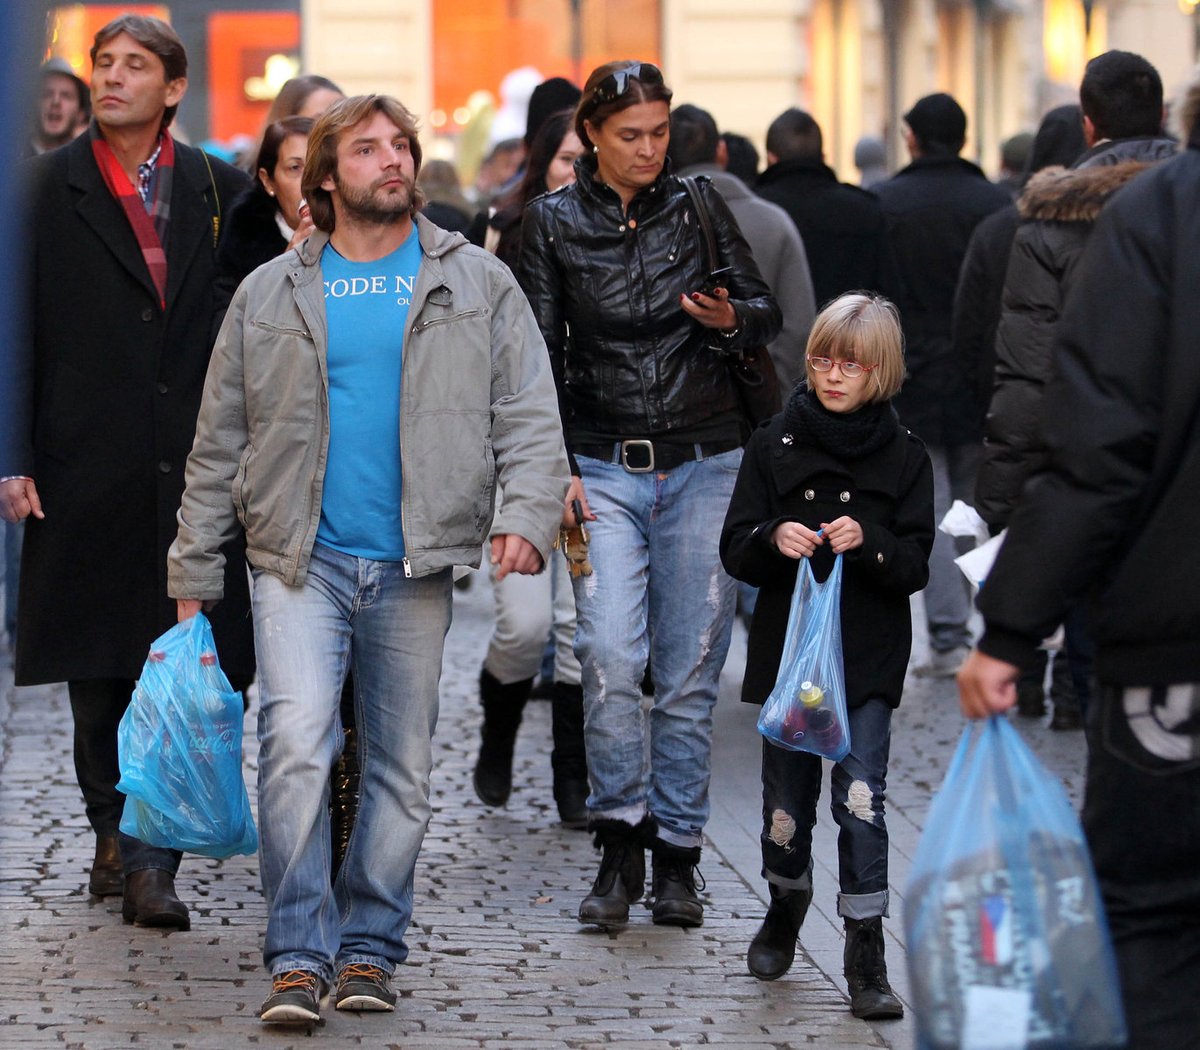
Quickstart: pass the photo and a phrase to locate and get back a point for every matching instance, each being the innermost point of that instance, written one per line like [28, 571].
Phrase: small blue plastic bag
[180, 750]
[806, 710]
[1008, 945]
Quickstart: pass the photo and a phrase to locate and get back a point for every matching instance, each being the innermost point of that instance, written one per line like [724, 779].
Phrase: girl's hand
[844, 534]
[712, 311]
[575, 492]
[794, 540]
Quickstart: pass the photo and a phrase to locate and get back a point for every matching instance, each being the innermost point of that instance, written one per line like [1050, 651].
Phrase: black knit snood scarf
[849, 436]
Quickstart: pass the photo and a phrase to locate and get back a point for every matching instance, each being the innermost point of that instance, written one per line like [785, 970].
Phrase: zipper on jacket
[443, 320]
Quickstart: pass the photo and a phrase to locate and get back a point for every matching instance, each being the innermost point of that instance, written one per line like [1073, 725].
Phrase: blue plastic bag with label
[806, 710]
[1008, 945]
[180, 750]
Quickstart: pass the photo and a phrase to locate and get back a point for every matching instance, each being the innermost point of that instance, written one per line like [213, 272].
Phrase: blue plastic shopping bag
[806, 710]
[1008, 946]
[180, 750]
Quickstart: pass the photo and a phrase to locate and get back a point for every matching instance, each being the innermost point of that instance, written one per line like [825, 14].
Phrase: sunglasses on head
[613, 86]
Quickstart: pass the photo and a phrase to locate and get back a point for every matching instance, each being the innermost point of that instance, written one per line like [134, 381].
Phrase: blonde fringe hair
[865, 328]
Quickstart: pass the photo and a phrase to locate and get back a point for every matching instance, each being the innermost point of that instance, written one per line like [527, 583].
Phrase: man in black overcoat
[932, 207]
[103, 393]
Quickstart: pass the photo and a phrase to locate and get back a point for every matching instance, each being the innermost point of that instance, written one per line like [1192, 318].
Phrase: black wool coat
[932, 208]
[106, 389]
[842, 226]
[250, 237]
[890, 494]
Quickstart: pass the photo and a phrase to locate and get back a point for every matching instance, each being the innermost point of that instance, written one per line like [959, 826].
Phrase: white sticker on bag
[996, 1018]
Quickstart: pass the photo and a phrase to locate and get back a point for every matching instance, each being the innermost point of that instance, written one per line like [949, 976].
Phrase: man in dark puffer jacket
[1122, 101]
[1113, 516]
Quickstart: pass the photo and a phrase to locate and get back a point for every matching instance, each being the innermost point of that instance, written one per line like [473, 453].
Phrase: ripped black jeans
[791, 790]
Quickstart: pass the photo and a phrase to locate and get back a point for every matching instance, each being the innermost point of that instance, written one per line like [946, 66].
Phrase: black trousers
[96, 707]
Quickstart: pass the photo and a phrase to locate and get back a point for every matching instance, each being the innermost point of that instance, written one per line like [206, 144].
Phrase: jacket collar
[798, 167]
[728, 186]
[588, 185]
[191, 220]
[435, 242]
[934, 161]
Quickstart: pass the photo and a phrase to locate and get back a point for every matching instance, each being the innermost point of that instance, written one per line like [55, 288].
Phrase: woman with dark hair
[266, 220]
[615, 269]
[528, 607]
[550, 165]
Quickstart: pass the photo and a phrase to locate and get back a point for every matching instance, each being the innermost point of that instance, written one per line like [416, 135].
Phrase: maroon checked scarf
[149, 220]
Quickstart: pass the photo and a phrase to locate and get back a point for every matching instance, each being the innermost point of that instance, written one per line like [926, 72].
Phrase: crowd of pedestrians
[300, 399]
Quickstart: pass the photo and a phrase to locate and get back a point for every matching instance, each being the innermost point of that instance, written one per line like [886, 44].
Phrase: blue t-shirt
[366, 307]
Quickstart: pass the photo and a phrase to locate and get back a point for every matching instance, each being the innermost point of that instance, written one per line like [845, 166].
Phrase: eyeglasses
[613, 86]
[850, 369]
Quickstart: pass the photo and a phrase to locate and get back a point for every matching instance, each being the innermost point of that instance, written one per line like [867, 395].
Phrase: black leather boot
[773, 949]
[622, 876]
[569, 758]
[1063, 698]
[106, 878]
[871, 997]
[150, 901]
[676, 885]
[502, 709]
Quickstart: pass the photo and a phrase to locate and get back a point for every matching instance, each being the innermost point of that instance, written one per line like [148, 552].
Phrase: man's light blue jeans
[657, 591]
[363, 615]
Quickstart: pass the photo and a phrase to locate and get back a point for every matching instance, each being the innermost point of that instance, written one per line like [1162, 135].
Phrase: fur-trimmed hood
[1077, 194]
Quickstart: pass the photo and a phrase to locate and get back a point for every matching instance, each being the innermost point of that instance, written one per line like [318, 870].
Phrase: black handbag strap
[710, 242]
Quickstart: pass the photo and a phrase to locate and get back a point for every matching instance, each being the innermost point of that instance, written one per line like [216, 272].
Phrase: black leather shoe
[106, 878]
[773, 949]
[150, 901]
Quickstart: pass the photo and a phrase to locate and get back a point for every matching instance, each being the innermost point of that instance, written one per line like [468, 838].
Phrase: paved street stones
[497, 956]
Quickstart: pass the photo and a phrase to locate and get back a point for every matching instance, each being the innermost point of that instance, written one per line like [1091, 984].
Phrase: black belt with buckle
[641, 456]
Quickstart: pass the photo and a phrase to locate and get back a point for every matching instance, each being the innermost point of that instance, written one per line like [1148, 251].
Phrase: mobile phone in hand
[716, 279]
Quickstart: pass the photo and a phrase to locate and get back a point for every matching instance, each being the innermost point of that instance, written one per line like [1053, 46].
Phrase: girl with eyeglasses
[613, 267]
[835, 474]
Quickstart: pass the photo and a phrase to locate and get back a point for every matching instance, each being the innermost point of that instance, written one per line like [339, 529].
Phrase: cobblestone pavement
[498, 958]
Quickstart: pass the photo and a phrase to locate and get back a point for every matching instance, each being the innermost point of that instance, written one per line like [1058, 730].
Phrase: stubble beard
[370, 207]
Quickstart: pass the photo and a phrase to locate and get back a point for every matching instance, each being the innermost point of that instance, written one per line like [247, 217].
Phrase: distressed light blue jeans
[366, 616]
[657, 591]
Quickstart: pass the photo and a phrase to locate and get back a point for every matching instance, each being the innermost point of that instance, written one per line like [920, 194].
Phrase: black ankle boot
[773, 949]
[107, 878]
[622, 876]
[502, 709]
[569, 758]
[871, 997]
[150, 901]
[674, 885]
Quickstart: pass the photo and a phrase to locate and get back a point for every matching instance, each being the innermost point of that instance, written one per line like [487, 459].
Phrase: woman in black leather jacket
[614, 267]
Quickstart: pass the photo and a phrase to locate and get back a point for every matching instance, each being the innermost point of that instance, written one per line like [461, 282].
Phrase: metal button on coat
[809, 494]
[147, 314]
[163, 388]
[844, 497]
[164, 467]
[879, 557]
